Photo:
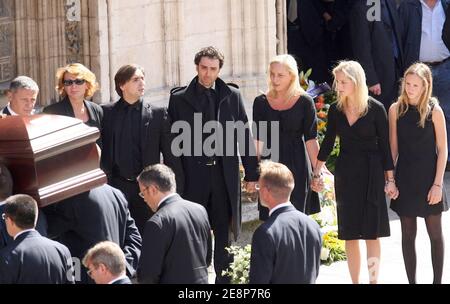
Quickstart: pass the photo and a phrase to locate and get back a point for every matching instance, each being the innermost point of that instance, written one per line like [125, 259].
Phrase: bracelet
[317, 175]
[440, 186]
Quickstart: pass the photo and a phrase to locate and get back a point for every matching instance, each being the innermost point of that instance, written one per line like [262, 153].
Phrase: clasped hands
[391, 189]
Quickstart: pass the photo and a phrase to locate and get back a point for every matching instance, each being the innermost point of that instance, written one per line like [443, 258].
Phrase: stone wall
[160, 35]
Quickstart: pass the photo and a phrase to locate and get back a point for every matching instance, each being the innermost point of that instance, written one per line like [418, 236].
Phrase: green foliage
[238, 271]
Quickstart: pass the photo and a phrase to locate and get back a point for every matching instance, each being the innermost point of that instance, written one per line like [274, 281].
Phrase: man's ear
[9, 95]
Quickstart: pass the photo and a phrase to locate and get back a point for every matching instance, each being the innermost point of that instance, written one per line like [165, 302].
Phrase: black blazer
[183, 105]
[156, 139]
[175, 244]
[5, 239]
[373, 48]
[5, 111]
[65, 108]
[34, 259]
[100, 214]
[286, 249]
[410, 14]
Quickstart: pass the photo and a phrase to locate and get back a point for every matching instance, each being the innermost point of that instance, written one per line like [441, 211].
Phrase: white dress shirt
[432, 48]
[279, 206]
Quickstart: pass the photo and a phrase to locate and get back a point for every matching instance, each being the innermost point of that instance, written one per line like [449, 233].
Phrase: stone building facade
[38, 36]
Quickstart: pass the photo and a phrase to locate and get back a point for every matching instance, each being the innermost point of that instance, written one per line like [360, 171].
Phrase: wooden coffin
[50, 157]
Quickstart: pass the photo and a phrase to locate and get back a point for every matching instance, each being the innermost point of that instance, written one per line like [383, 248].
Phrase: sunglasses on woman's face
[69, 82]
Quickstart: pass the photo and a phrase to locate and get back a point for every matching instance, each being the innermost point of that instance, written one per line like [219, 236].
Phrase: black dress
[416, 167]
[359, 175]
[297, 125]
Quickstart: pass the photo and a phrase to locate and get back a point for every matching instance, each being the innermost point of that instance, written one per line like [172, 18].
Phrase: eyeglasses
[141, 194]
[89, 272]
[68, 82]
[257, 187]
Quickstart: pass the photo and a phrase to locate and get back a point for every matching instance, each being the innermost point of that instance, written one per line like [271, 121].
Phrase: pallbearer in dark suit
[6, 187]
[106, 263]
[286, 248]
[22, 95]
[212, 176]
[31, 258]
[100, 214]
[134, 134]
[176, 238]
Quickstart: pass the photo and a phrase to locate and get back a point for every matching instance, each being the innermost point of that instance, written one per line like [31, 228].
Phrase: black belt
[436, 63]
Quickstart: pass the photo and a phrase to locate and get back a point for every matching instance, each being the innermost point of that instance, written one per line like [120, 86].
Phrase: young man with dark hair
[212, 179]
[135, 134]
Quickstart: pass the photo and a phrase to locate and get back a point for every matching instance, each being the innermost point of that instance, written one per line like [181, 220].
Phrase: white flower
[324, 254]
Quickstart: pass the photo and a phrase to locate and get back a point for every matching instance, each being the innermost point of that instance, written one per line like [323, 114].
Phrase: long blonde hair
[353, 71]
[422, 71]
[291, 65]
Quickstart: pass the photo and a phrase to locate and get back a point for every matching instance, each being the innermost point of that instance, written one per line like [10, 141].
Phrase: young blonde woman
[418, 140]
[364, 168]
[288, 105]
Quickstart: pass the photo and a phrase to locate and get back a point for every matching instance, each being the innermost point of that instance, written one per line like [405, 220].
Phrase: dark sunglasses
[69, 82]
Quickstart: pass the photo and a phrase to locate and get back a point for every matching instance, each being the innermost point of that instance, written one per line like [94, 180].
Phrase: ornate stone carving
[6, 41]
[73, 31]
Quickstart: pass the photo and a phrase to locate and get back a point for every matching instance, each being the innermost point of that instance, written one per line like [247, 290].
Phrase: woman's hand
[435, 195]
[391, 190]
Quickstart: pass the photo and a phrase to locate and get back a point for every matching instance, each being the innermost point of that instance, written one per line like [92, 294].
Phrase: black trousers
[219, 213]
[139, 210]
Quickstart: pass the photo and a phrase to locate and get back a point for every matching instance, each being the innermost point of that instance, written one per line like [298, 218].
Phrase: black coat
[183, 105]
[100, 214]
[156, 138]
[34, 259]
[286, 249]
[175, 245]
[373, 48]
[410, 14]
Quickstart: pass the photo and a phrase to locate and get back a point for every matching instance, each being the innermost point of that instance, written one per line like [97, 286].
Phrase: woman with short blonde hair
[288, 111]
[76, 83]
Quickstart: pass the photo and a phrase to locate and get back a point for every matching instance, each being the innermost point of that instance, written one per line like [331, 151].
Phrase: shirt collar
[165, 198]
[118, 279]
[11, 111]
[22, 232]
[14, 113]
[279, 206]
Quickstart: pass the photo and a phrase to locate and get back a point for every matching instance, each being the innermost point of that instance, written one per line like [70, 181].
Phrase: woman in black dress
[75, 83]
[364, 168]
[419, 147]
[287, 105]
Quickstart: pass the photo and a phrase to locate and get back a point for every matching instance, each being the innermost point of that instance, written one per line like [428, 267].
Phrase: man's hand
[376, 89]
[250, 187]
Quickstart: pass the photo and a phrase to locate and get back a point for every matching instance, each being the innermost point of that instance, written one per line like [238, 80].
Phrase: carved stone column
[281, 26]
[7, 58]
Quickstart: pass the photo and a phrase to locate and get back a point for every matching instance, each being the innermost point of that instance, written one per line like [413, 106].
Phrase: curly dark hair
[210, 52]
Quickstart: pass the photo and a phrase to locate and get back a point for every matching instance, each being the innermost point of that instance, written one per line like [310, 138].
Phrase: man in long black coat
[134, 134]
[376, 39]
[213, 179]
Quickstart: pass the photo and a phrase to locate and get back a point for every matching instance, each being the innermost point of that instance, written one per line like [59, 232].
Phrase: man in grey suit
[286, 248]
[176, 238]
[31, 258]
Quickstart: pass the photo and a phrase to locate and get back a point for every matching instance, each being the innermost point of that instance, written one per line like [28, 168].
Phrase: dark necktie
[211, 109]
